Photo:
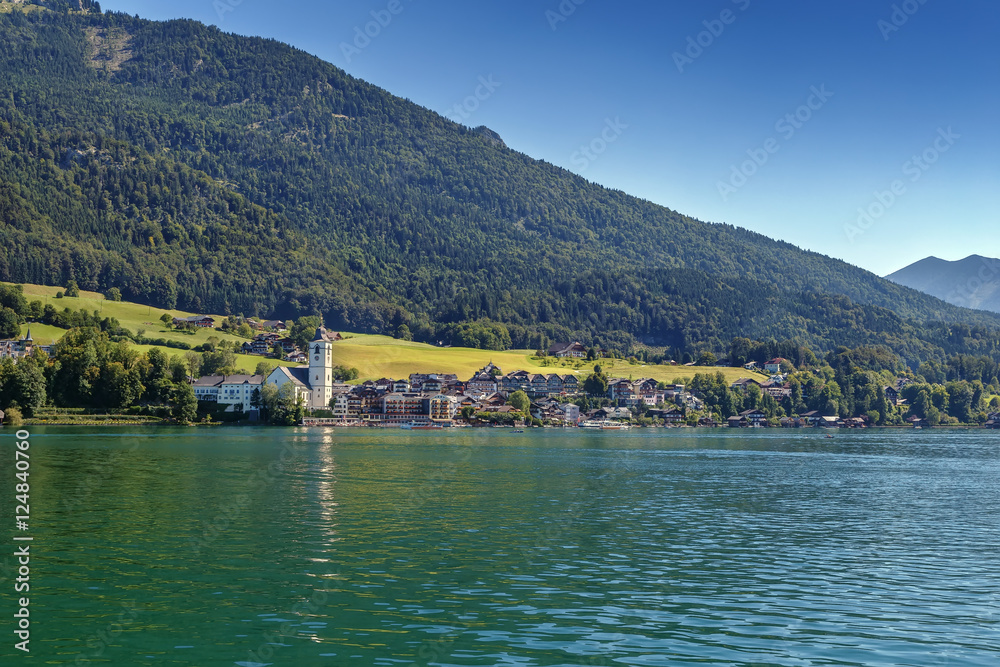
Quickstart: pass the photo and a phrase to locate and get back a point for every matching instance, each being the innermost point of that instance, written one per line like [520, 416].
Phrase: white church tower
[321, 369]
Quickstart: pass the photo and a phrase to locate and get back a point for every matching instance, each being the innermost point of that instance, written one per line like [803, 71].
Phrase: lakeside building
[232, 390]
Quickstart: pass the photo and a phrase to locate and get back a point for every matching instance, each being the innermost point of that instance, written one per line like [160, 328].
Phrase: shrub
[12, 417]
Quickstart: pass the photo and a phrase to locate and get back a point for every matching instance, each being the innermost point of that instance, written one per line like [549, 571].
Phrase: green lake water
[247, 547]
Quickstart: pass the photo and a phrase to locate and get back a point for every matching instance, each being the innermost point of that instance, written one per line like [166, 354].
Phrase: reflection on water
[322, 547]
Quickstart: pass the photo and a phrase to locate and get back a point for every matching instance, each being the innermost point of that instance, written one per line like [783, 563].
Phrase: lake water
[358, 547]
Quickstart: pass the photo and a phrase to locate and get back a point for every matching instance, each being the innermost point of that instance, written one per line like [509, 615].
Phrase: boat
[414, 426]
[615, 426]
[325, 421]
[605, 425]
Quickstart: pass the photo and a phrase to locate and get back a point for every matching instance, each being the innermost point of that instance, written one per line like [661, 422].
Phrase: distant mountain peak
[972, 282]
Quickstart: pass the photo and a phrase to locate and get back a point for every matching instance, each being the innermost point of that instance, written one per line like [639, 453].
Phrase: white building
[774, 366]
[231, 390]
[207, 388]
[238, 390]
[442, 408]
[572, 412]
[341, 407]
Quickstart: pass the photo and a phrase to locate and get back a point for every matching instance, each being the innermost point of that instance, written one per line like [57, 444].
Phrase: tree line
[847, 382]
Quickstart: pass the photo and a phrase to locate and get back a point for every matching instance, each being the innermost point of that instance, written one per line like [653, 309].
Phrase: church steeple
[321, 368]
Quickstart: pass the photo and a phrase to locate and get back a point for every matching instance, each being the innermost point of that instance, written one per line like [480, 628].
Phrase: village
[490, 397]
[438, 400]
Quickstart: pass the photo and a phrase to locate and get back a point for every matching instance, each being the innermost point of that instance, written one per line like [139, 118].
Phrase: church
[314, 383]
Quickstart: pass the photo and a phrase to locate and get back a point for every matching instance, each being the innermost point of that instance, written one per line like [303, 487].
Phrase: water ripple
[695, 548]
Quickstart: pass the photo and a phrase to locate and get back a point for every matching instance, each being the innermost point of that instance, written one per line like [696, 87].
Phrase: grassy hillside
[42, 334]
[380, 356]
[244, 363]
[374, 356]
[132, 316]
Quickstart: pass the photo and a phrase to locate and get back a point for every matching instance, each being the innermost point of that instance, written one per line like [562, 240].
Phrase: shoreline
[116, 422]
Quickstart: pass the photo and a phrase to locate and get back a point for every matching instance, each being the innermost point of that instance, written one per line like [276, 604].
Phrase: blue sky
[862, 129]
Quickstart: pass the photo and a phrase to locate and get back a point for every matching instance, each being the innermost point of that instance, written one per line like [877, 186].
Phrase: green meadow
[374, 356]
[380, 356]
[133, 316]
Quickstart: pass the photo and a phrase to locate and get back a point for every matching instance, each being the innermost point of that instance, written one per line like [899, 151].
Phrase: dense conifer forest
[216, 173]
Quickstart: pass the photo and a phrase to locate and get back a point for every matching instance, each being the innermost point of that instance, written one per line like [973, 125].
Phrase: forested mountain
[215, 172]
[973, 282]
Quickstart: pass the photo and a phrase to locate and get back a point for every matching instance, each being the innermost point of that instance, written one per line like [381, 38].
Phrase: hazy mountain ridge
[238, 174]
[973, 282]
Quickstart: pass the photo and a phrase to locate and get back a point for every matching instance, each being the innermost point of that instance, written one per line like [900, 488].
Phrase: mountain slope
[973, 282]
[236, 174]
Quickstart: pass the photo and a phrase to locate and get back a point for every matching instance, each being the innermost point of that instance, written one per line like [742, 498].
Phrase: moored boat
[605, 425]
[414, 426]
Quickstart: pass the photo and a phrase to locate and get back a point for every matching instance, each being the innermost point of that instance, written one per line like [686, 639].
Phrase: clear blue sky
[896, 80]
